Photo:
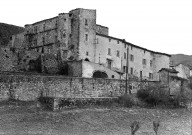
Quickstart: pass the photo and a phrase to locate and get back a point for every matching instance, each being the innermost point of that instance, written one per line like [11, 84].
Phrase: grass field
[21, 119]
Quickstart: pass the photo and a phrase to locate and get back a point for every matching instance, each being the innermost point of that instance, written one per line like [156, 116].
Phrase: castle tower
[83, 31]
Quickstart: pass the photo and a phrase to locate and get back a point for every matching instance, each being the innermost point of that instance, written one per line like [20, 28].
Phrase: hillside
[6, 31]
[182, 58]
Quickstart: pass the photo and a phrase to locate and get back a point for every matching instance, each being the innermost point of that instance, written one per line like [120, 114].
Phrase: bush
[154, 96]
[150, 95]
[127, 100]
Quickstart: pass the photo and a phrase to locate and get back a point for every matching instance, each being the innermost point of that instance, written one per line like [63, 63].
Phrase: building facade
[76, 36]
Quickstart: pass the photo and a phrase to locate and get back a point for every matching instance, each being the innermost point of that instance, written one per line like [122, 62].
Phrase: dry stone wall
[29, 87]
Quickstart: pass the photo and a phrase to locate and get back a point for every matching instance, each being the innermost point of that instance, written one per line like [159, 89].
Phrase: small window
[151, 63]
[109, 64]
[118, 53]
[64, 35]
[70, 15]
[125, 55]
[112, 76]
[64, 19]
[86, 22]
[141, 74]
[117, 41]
[35, 42]
[109, 51]
[37, 49]
[48, 50]
[131, 47]
[109, 40]
[125, 45]
[132, 57]
[131, 70]
[87, 53]
[124, 69]
[86, 37]
[150, 76]
[144, 51]
[42, 51]
[144, 62]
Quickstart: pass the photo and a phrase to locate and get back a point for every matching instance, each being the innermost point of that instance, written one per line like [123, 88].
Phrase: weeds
[135, 127]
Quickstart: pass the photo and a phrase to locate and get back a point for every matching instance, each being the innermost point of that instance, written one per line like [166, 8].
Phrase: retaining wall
[29, 87]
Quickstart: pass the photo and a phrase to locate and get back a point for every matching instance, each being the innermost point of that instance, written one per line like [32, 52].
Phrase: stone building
[183, 71]
[75, 36]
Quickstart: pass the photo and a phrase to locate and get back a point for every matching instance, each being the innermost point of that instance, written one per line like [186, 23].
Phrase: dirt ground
[26, 119]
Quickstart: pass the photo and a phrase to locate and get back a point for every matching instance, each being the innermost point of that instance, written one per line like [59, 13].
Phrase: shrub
[127, 100]
[150, 95]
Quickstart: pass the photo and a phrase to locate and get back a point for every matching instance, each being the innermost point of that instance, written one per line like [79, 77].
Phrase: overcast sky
[159, 25]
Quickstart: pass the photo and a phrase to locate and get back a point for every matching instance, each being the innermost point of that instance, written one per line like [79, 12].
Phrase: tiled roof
[123, 40]
[172, 70]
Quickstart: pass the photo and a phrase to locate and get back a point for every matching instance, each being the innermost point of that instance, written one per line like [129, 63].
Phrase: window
[118, 53]
[125, 45]
[131, 70]
[144, 51]
[86, 22]
[109, 51]
[131, 47]
[87, 53]
[35, 42]
[125, 55]
[124, 69]
[42, 51]
[109, 63]
[144, 62]
[109, 40]
[49, 49]
[37, 49]
[64, 35]
[86, 37]
[141, 74]
[132, 57]
[150, 76]
[117, 41]
[151, 63]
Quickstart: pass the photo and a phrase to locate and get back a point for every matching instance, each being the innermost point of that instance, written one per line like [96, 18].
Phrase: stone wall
[29, 87]
[102, 30]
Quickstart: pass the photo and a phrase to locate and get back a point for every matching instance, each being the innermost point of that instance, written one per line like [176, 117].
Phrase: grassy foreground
[21, 119]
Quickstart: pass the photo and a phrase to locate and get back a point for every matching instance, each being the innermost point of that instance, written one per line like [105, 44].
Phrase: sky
[159, 25]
